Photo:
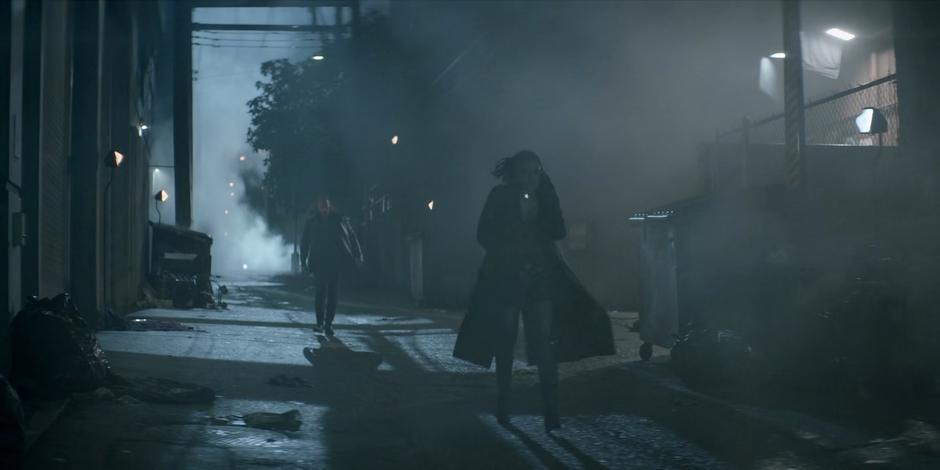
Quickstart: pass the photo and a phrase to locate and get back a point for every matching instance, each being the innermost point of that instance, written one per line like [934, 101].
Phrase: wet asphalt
[385, 392]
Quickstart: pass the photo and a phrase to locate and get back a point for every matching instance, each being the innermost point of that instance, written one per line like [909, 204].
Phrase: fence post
[794, 130]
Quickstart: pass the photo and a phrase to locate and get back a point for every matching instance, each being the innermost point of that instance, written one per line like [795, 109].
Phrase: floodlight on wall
[141, 128]
[778, 55]
[840, 34]
[871, 121]
[160, 197]
[394, 140]
[114, 159]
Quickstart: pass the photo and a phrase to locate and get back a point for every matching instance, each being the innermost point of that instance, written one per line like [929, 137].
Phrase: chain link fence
[831, 120]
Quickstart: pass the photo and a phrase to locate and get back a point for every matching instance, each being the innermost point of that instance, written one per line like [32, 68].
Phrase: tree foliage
[293, 123]
[317, 121]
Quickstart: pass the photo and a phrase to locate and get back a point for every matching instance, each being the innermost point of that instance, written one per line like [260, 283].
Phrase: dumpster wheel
[646, 351]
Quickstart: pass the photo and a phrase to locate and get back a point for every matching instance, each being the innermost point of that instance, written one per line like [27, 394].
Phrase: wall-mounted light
[318, 57]
[160, 197]
[871, 121]
[778, 55]
[231, 184]
[394, 140]
[840, 34]
[430, 205]
[141, 128]
[114, 159]
[241, 158]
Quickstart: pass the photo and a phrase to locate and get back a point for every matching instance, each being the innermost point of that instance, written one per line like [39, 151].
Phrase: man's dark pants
[327, 284]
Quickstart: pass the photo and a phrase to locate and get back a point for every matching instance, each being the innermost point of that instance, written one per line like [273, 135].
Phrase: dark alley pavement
[386, 393]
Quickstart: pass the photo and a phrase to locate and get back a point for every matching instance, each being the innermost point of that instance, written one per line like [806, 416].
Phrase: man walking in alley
[328, 246]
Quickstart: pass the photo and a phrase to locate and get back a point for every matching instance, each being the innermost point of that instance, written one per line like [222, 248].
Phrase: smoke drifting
[227, 66]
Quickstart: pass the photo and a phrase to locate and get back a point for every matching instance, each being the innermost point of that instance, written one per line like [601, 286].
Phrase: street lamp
[840, 34]
[160, 197]
[871, 121]
[113, 160]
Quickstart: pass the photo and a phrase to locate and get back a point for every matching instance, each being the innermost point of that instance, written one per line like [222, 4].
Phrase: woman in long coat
[523, 272]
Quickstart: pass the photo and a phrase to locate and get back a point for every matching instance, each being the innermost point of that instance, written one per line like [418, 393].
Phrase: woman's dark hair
[506, 167]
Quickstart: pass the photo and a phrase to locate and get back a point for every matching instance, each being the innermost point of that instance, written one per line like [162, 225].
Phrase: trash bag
[284, 380]
[287, 421]
[713, 358]
[156, 390]
[55, 352]
[12, 422]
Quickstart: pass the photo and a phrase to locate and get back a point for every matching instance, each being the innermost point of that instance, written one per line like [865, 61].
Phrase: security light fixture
[840, 34]
[160, 198]
[394, 140]
[430, 205]
[115, 159]
[778, 55]
[871, 121]
[318, 57]
[141, 128]
[156, 170]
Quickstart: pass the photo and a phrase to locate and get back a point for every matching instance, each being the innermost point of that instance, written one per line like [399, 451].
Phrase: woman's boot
[503, 385]
[550, 412]
[548, 382]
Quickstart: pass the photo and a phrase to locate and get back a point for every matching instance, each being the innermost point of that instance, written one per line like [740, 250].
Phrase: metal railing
[830, 120]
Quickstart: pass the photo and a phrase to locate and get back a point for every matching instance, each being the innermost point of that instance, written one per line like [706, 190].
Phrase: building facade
[79, 82]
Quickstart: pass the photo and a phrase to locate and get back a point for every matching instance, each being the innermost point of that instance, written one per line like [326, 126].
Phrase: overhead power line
[254, 40]
[235, 46]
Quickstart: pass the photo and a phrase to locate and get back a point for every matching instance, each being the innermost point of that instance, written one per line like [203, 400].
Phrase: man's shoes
[318, 328]
[329, 330]
[502, 408]
[552, 422]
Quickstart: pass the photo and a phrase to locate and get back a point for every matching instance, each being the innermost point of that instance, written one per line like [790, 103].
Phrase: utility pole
[794, 125]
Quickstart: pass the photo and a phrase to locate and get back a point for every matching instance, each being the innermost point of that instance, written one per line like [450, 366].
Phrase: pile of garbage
[12, 422]
[715, 359]
[56, 355]
[55, 352]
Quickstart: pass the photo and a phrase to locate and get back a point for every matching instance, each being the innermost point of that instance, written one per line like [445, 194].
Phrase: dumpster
[181, 265]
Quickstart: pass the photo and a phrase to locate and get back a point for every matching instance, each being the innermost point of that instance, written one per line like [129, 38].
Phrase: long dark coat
[582, 325]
